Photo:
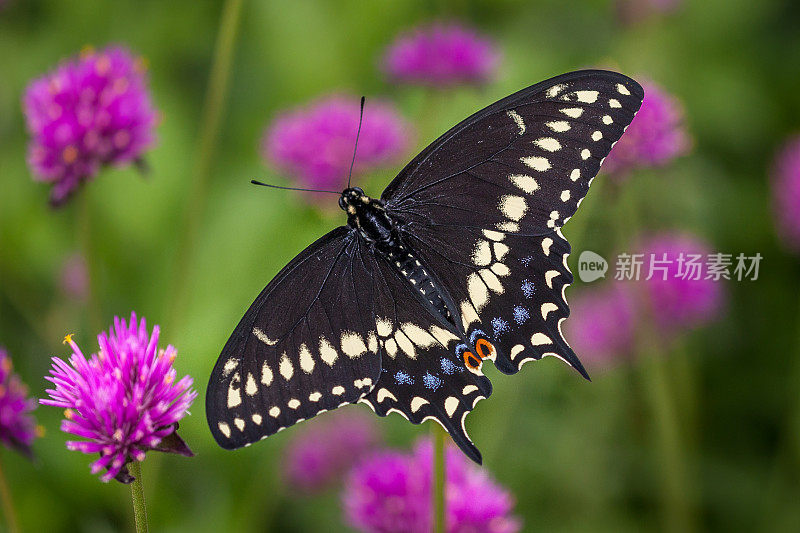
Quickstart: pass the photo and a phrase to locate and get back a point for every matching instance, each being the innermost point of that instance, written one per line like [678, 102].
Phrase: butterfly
[460, 261]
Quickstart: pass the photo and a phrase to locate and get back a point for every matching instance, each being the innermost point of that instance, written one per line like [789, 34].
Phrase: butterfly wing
[524, 163]
[424, 375]
[483, 205]
[307, 344]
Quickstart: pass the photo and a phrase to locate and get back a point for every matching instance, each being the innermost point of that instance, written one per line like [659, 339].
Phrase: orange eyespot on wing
[484, 348]
[472, 362]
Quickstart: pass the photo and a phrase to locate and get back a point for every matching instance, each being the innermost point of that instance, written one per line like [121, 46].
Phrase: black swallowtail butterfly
[461, 260]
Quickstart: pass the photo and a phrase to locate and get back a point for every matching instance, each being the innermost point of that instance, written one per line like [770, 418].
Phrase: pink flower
[441, 55]
[17, 425]
[656, 136]
[315, 144]
[786, 193]
[91, 111]
[124, 400]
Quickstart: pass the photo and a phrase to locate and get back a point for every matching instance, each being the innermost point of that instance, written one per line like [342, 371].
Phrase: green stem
[216, 95]
[137, 495]
[8, 504]
[84, 242]
[439, 511]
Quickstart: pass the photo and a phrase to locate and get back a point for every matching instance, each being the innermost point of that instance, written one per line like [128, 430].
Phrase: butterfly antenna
[358, 133]
[256, 182]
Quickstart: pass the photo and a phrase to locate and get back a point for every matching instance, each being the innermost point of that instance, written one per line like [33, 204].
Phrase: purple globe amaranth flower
[17, 426]
[91, 111]
[602, 324]
[441, 55]
[786, 193]
[320, 453]
[391, 492]
[656, 136]
[315, 143]
[682, 292]
[124, 400]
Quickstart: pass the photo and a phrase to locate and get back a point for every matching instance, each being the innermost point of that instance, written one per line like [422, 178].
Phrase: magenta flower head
[685, 289]
[391, 492]
[602, 324]
[786, 193]
[441, 55]
[656, 136]
[124, 400]
[91, 111]
[322, 452]
[17, 426]
[315, 144]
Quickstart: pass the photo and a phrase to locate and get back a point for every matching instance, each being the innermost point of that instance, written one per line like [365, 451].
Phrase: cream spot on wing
[491, 281]
[607, 120]
[257, 419]
[553, 91]
[230, 366]
[575, 174]
[285, 368]
[418, 336]
[315, 396]
[548, 277]
[468, 314]
[391, 348]
[623, 90]
[384, 326]
[559, 126]
[417, 403]
[572, 112]
[260, 335]
[266, 374]
[500, 269]
[565, 195]
[372, 342]
[518, 120]
[614, 103]
[338, 390]
[468, 389]
[548, 143]
[537, 162]
[513, 207]
[547, 308]
[275, 412]
[442, 335]
[239, 423]
[587, 97]
[547, 242]
[482, 254]
[383, 394]
[450, 405]
[234, 394]
[526, 183]
[306, 361]
[294, 403]
[516, 350]
[597, 135]
[353, 345]
[225, 429]
[540, 338]
[500, 250]
[327, 352]
[585, 154]
[478, 292]
[494, 235]
[405, 344]
[512, 227]
[251, 388]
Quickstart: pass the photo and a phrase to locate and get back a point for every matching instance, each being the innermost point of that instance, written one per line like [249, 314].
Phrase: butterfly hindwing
[523, 164]
[307, 344]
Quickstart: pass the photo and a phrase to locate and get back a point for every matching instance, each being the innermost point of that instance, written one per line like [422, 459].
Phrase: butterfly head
[352, 198]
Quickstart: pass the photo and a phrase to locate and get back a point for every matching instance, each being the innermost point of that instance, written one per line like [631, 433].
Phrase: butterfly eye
[472, 362]
[342, 203]
[359, 190]
[484, 348]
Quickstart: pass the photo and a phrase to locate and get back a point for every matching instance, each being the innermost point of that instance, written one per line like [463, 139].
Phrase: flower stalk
[8, 505]
[137, 495]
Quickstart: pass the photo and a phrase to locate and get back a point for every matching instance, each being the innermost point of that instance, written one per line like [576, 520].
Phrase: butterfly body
[460, 261]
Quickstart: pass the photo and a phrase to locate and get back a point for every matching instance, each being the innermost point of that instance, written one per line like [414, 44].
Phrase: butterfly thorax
[369, 217]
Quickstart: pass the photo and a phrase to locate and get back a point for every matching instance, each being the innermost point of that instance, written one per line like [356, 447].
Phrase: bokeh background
[697, 430]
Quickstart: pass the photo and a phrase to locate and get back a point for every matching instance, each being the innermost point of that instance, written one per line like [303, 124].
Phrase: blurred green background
[577, 456]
